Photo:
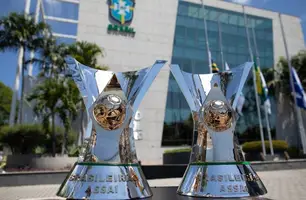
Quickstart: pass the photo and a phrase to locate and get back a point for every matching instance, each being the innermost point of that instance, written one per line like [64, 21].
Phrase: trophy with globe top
[107, 167]
[213, 100]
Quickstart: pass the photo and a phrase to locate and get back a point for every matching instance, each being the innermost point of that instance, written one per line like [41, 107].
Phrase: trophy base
[105, 181]
[221, 180]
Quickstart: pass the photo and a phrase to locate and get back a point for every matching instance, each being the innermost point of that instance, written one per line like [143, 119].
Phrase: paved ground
[281, 185]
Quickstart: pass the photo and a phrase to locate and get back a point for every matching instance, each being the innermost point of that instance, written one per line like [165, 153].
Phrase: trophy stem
[223, 147]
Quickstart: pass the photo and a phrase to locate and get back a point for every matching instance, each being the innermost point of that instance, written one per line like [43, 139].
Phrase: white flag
[240, 104]
[267, 103]
[227, 67]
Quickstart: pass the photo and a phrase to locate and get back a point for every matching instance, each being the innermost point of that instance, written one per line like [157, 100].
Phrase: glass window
[212, 26]
[180, 31]
[63, 27]
[213, 15]
[65, 40]
[61, 9]
[189, 51]
[183, 9]
[193, 12]
[233, 19]
[223, 18]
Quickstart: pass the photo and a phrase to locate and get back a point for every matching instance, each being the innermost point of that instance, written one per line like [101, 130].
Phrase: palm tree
[86, 53]
[68, 109]
[19, 32]
[50, 97]
[51, 57]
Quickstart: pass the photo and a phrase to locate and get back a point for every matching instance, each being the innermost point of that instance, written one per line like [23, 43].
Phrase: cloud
[242, 1]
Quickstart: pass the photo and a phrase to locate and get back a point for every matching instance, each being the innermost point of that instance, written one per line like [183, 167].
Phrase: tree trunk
[16, 87]
[22, 90]
[64, 145]
[53, 136]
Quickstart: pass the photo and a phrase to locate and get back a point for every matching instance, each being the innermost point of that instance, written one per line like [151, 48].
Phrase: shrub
[31, 139]
[255, 146]
[74, 151]
[177, 150]
[295, 152]
[22, 139]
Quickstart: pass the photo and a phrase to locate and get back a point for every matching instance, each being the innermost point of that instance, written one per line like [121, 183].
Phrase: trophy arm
[236, 85]
[178, 75]
[141, 89]
[192, 89]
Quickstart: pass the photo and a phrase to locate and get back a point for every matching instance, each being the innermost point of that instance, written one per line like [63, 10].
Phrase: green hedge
[256, 147]
[177, 150]
[28, 139]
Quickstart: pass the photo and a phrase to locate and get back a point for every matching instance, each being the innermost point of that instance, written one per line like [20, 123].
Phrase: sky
[9, 60]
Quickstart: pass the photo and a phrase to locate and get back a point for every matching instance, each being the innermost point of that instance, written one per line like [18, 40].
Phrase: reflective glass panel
[189, 51]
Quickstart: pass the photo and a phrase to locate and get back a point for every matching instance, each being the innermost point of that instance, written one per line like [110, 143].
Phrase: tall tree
[50, 57]
[49, 97]
[68, 109]
[6, 94]
[19, 32]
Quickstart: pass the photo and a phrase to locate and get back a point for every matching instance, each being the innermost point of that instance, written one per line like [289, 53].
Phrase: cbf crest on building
[121, 13]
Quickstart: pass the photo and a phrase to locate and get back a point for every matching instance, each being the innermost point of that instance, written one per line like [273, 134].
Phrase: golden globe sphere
[217, 115]
[110, 112]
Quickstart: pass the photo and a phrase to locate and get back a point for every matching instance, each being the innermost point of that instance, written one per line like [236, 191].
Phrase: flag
[300, 94]
[265, 97]
[262, 89]
[227, 67]
[240, 104]
[214, 67]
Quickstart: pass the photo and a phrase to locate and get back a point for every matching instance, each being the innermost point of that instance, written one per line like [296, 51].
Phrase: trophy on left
[107, 167]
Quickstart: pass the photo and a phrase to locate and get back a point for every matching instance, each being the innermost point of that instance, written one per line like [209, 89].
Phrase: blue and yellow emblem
[122, 11]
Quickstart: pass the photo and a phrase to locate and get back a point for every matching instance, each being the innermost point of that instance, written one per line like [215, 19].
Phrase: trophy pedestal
[221, 180]
[105, 181]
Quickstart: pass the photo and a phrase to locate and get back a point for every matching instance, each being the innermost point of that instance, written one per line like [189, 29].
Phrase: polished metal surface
[217, 115]
[213, 100]
[105, 181]
[221, 180]
[111, 100]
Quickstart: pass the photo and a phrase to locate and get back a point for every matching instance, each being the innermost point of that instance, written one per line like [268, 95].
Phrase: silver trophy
[213, 100]
[107, 167]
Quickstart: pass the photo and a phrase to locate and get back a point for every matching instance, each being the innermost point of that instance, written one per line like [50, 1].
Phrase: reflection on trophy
[107, 167]
[213, 99]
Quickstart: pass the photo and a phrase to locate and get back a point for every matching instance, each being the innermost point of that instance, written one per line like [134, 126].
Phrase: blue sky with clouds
[9, 61]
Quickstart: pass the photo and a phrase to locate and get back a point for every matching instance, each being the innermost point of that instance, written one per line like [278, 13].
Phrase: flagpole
[269, 132]
[265, 109]
[220, 42]
[297, 110]
[206, 37]
[255, 88]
